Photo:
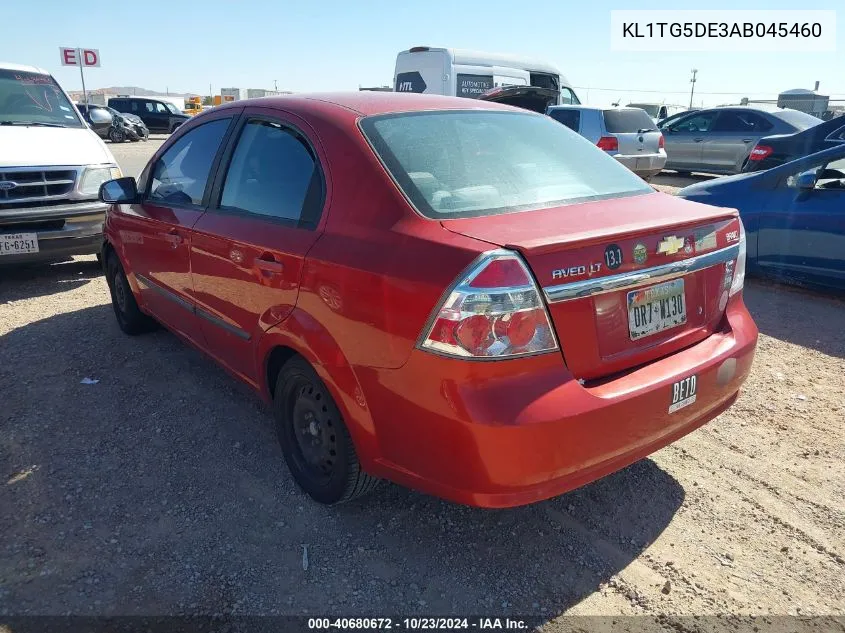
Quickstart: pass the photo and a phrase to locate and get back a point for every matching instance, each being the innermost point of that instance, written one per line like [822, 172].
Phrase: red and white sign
[80, 56]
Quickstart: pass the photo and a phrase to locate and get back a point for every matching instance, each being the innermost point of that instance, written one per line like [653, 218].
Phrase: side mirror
[805, 180]
[120, 191]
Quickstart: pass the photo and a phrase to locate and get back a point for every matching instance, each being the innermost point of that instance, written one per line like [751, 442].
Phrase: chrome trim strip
[190, 307]
[222, 324]
[634, 279]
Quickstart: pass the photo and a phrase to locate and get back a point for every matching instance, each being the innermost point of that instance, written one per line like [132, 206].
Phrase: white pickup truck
[51, 168]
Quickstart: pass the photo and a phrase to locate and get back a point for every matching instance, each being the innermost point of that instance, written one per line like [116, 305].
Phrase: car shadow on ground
[162, 489]
[673, 179]
[798, 315]
[40, 280]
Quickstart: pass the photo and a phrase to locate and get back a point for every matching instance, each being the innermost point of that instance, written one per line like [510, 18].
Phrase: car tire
[130, 319]
[116, 135]
[315, 442]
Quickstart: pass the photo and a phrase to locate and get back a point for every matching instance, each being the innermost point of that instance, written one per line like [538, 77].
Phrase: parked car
[158, 115]
[627, 134]
[51, 168]
[794, 217]
[772, 151]
[121, 127]
[476, 303]
[719, 140]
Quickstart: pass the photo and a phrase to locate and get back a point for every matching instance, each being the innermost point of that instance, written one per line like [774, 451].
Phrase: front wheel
[129, 316]
[117, 135]
[315, 442]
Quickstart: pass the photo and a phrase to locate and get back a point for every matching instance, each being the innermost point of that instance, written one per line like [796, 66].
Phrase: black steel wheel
[315, 442]
[129, 316]
[117, 135]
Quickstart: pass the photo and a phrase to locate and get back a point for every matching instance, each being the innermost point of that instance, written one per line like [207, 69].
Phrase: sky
[341, 45]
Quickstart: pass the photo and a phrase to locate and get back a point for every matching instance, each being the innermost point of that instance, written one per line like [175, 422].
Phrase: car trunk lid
[627, 280]
[532, 98]
[634, 130]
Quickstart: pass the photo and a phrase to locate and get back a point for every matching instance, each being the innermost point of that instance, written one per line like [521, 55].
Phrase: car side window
[567, 97]
[134, 106]
[273, 173]
[149, 106]
[161, 108]
[570, 118]
[695, 123]
[180, 175]
[742, 122]
[832, 175]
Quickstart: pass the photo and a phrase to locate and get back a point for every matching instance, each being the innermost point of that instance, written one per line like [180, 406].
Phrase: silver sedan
[719, 140]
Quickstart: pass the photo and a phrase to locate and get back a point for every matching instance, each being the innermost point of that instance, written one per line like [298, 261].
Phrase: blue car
[794, 217]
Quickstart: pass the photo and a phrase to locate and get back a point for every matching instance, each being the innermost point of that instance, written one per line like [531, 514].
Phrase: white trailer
[528, 83]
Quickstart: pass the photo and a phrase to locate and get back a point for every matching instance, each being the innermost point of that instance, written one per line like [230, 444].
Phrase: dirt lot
[161, 489]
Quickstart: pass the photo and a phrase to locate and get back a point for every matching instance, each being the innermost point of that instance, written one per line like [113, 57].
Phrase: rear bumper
[494, 434]
[644, 165]
[62, 231]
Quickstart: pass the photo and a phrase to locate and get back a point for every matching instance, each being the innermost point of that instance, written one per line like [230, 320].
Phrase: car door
[156, 116]
[683, 138]
[733, 135]
[249, 249]
[802, 231]
[155, 234]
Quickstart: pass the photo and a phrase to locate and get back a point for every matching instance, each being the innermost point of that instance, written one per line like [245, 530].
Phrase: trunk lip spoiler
[637, 278]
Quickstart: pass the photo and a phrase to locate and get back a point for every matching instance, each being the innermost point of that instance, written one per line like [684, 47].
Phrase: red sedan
[462, 297]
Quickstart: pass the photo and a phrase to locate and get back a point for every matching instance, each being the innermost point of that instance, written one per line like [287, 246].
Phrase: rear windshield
[800, 120]
[34, 99]
[570, 118]
[459, 163]
[628, 121]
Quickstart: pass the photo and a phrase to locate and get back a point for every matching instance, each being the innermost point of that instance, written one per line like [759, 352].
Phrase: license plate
[655, 309]
[684, 393]
[18, 243]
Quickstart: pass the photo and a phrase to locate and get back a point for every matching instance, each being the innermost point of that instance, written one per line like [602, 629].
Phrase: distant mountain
[134, 91]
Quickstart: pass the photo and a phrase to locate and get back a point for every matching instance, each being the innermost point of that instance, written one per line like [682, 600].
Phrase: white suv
[51, 168]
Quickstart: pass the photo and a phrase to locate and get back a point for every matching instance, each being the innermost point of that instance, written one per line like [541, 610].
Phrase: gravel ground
[160, 489]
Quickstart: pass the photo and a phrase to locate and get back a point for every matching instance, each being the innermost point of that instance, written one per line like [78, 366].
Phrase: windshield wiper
[32, 123]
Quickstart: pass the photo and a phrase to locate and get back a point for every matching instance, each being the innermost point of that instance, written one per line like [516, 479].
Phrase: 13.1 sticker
[613, 257]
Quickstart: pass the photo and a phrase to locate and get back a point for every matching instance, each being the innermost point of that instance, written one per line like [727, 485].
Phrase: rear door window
[570, 118]
[273, 173]
[627, 121]
[180, 175]
[741, 122]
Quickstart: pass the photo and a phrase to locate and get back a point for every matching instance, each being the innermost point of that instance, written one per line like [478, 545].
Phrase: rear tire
[129, 316]
[315, 442]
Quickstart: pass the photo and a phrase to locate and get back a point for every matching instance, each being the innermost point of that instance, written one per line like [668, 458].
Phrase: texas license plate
[684, 393]
[18, 243]
[655, 309]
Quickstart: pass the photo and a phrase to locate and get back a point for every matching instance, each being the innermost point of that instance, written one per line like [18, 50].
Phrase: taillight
[760, 152]
[739, 268]
[494, 310]
[608, 143]
[661, 142]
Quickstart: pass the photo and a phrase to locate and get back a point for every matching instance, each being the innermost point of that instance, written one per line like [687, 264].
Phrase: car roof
[369, 103]
[22, 68]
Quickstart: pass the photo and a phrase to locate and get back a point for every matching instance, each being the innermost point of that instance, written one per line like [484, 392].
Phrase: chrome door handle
[747, 140]
[268, 265]
[697, 140]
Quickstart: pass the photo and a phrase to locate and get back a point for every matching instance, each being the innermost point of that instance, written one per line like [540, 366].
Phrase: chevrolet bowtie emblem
[670, 245]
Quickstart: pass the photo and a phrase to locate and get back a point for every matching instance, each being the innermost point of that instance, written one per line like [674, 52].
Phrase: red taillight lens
[608, 143]
[760, 152]
[661, 142]
[494, 311]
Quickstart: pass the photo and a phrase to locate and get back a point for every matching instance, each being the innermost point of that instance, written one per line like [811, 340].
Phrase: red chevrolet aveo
[462, 297]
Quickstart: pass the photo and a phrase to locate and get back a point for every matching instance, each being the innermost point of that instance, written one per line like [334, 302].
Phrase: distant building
[808, 101]
[256, 93]
[377, 89]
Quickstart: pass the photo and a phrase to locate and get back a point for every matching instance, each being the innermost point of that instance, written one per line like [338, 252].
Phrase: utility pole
[276, 85]
[692, 88]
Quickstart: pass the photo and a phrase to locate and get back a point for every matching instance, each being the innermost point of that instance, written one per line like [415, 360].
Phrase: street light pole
[692, 88]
